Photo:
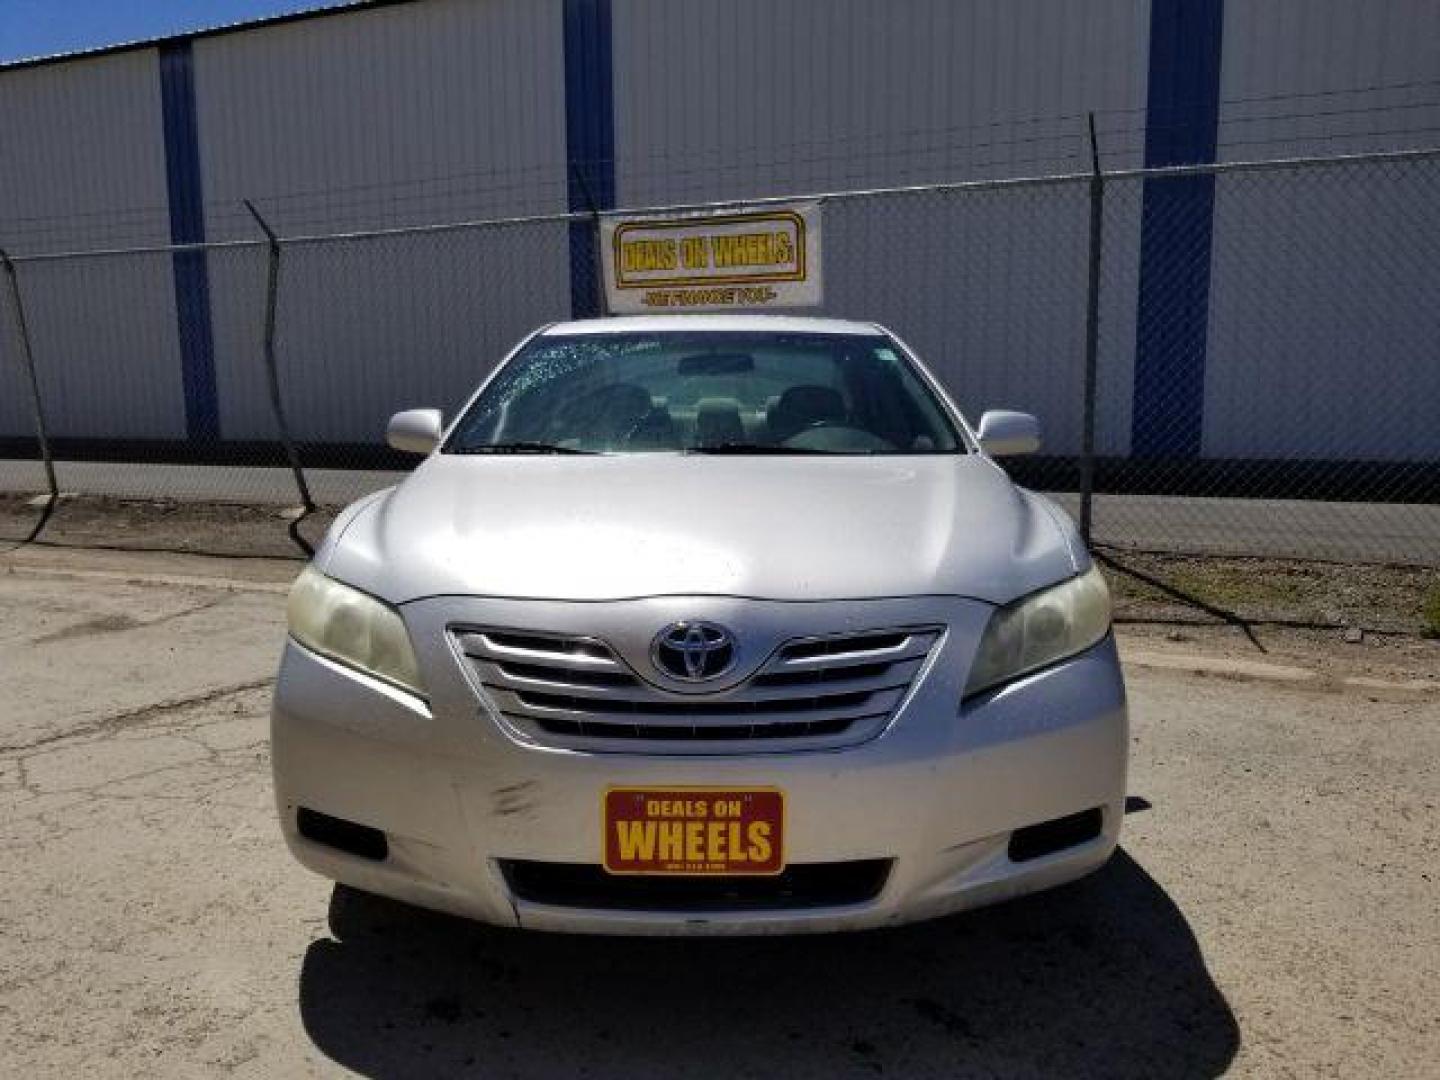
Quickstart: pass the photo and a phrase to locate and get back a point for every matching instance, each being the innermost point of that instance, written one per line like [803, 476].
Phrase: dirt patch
[1346, 620]
[1280, 592]
[161, 525]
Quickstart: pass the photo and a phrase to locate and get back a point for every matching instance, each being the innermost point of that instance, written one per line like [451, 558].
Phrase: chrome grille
[810, 693]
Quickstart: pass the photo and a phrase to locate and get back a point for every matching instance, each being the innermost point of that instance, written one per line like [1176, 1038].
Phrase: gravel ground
[1273, 911]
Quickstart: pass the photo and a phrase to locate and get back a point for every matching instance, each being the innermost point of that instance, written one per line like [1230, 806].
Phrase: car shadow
[1099, 978]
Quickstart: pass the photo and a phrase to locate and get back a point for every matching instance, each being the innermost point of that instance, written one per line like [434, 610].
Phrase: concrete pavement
[154, 924]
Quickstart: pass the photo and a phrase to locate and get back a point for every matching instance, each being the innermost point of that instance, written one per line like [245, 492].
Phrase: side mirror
[1003, 433]
[415, 431]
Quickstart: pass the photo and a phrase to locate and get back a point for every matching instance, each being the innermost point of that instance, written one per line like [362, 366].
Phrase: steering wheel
[593, 414]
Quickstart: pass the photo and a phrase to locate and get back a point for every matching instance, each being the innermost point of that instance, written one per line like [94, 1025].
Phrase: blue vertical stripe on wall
[187, 226]
[1177, 217]
[589, 141]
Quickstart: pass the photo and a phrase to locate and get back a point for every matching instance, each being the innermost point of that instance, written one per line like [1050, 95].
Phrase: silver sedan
[702, 624]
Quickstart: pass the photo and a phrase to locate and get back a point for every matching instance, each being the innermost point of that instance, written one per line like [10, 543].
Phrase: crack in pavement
[119, 623]
[115, 721]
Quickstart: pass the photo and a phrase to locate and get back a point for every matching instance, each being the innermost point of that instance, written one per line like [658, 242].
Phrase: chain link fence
[1276, 388]
[1263, 381]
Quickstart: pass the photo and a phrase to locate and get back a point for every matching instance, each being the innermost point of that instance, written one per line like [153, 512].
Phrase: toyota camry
[702, 624]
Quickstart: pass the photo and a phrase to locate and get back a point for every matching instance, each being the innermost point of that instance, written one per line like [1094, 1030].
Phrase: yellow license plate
[698, 831]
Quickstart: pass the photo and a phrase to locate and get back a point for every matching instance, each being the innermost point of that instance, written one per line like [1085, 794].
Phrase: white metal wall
[82, 164]
[1323, 77]
[1323, 322]
[761, 97]
[441, 111]
[414, 113]
[726, 100]
[82, 154]
[456, 108]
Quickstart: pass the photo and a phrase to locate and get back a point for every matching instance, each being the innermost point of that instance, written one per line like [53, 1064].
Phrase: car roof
[659, 324]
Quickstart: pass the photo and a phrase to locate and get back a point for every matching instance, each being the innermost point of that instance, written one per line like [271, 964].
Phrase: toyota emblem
[694, 651]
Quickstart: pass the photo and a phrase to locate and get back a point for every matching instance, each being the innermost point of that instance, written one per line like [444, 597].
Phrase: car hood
[779, 528]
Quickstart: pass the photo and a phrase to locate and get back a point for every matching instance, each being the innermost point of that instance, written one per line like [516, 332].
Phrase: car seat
[804, 406]
[717, 422]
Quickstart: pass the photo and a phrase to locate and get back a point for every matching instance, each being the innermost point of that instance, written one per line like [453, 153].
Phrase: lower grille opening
[667, 732]
[807, 885]
[348, 836]
[1057, 834]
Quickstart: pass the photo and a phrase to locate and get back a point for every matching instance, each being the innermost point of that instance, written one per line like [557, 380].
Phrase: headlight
[353, 628]
[1040, 629]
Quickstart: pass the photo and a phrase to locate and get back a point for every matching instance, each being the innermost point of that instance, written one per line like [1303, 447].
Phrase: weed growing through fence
[1431, 615]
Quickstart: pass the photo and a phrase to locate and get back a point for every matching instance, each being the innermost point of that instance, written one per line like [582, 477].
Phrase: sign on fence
[713, 261]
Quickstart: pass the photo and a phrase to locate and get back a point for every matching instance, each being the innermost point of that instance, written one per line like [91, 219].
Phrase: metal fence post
[272, 376]
[27, 356]
[602, 301]
[1092, 338]
[602, 298]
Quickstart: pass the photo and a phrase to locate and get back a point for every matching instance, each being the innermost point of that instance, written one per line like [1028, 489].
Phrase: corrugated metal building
[393, 114]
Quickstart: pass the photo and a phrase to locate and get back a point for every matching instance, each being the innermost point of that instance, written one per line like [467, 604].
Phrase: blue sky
[42, 27]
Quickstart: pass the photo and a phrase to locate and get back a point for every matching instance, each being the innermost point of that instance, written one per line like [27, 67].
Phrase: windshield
[707, 392]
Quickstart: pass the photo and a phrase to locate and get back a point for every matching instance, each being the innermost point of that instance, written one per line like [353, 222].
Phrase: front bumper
[939, 792]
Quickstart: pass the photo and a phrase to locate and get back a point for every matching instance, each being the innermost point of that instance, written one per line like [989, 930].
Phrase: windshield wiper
[752, 448]
[519, 448]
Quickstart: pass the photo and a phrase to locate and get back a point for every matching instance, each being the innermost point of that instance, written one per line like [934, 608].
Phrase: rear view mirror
[1003, 433]
[415, 431]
